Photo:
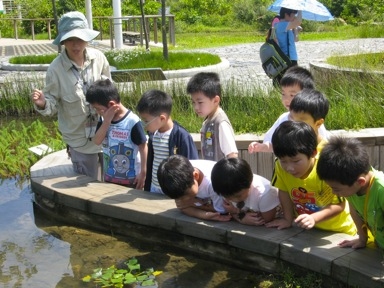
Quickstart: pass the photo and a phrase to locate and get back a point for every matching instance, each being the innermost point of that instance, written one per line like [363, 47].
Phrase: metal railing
[130, 23]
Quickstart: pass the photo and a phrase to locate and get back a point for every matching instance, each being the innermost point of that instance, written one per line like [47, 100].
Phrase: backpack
[273, 59]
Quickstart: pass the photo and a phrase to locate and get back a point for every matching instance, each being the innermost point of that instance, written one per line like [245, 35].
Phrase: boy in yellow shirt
[306, 200]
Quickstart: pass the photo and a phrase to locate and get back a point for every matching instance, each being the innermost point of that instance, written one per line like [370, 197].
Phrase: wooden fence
[262, 163]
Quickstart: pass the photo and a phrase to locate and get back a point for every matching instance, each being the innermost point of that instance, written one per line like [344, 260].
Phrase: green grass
[139, 58]
[215, 39]
[33, 59]
[371, 61]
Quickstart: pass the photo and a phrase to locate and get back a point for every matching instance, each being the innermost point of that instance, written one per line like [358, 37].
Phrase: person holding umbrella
[289, 20]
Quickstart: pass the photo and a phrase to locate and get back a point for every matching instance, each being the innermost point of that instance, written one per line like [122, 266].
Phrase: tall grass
[15, 139]
[356, 100]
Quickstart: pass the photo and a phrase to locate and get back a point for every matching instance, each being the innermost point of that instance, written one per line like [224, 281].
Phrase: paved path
[245, 65]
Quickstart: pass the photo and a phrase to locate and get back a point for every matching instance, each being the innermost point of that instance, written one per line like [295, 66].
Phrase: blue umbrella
[312, 9]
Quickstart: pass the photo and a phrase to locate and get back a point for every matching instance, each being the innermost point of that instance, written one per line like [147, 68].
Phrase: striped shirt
[161, 151]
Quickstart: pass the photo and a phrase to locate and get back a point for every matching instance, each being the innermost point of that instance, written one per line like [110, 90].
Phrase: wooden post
[172, 37]
[147, 30]
[111, 32]
[101, 29]
[49, 29]
[33, 29]
[155, 37]
[15, 28]
[141, 32]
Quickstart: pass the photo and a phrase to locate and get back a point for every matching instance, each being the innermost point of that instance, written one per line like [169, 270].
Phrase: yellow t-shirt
[310, 195]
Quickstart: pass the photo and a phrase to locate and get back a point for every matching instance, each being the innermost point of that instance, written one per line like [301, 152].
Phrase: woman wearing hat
[67, 80]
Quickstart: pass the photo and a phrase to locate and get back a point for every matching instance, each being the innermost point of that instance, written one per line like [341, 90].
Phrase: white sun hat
[74, 24]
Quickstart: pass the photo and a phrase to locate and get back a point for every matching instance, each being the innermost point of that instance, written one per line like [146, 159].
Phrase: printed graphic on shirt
[119, 157]
[304, 201]
[208, 142]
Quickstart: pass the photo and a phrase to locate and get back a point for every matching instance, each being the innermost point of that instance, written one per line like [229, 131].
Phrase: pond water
[36, 251]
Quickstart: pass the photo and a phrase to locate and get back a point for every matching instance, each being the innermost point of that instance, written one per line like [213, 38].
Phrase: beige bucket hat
[74, 24]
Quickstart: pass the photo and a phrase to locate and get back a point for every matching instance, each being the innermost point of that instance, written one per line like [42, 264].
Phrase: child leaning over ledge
[306, 200]
[249, 198]
[189, 183]
[344, 165]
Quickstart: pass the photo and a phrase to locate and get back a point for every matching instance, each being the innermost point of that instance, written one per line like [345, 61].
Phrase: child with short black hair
[250, 198]
[345, 166]
[295, 79]
[123, 140]
[310, 106]
[217, 135]
[189, 183]
[166, 137]
[305, 199]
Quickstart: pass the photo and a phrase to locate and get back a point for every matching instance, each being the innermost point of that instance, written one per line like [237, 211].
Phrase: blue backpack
[273, 59]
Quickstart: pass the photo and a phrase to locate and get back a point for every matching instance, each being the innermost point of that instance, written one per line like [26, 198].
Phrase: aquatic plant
[132, 276]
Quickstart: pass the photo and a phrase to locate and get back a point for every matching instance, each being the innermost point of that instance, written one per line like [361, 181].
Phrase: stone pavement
[244, 62]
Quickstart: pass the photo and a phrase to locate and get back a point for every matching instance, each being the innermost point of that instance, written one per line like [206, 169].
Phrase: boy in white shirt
[249, 198]
[294, 80]
[189, 183]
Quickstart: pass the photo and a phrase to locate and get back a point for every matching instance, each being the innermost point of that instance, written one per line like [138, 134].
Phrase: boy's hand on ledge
[305, 221]
[252, 218]
[355, 243]
[280, 224]
[216, 216]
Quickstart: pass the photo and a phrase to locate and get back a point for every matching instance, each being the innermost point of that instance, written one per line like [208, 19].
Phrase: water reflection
[40, 252]
[26, 250]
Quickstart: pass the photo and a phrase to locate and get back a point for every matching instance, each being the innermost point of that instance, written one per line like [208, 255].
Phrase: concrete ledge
[117, 209]
[224, 64]
[325, 73]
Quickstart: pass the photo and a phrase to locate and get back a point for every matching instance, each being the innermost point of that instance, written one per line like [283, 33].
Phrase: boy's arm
[140, 179]
[205, 215]
[150, 155]
[267, 141]
[103, 129]
[362, 231]
[227, 140]
[260, 147]
[308, 221]
[287, 207]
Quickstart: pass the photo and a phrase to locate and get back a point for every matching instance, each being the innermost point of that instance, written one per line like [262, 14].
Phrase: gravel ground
[245, 65]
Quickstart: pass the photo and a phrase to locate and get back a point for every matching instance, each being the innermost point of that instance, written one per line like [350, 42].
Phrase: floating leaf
[121, 271]
[149, 282]
[142, 277]
[134, 267]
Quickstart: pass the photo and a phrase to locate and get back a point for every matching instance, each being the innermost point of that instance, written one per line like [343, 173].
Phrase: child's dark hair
[175, 176]
[292, 138]
[343, 160]
[297, 75]
[206, 82]
[101, 92]
[284, 11]
[231, 175]
[310, 101]
[155, 102]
